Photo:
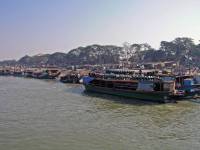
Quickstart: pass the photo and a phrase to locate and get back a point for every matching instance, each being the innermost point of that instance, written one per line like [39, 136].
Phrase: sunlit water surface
[48, 115]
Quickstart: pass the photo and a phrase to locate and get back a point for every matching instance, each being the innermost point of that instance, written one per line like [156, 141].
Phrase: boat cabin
[135, 85]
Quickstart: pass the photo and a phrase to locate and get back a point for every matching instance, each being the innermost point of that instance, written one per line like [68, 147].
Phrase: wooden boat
[188, 86]
[161, 87]
[28, 73]
[18, 73]
[151, 90]
[46, 74]
[1, 72]
[70, 78]
[5, 72]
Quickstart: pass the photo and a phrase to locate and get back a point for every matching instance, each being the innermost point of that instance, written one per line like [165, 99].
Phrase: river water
[48, 115]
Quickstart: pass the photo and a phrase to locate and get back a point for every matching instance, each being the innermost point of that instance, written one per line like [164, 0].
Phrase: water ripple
[36, 114]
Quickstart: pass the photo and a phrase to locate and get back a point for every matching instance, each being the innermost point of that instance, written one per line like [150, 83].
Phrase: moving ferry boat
[151, 88]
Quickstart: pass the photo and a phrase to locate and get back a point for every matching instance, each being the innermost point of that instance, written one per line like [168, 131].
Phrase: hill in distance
[180, 49]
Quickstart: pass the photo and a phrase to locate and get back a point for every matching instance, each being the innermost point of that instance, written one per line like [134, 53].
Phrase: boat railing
[123, 77]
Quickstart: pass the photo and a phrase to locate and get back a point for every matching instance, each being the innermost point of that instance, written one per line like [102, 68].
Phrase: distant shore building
[159, 65]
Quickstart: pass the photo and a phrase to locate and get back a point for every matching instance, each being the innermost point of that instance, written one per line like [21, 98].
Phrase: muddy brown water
[48, 115]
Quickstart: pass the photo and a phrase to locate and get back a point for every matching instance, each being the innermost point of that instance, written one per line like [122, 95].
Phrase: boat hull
[46, 77]
[70, 79]
[17, 74]
[161, 97]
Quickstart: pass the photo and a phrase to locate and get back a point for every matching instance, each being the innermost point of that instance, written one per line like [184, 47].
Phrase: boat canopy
[120, 71]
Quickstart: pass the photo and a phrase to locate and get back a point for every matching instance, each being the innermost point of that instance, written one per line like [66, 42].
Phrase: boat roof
[127, 81]
[110, 80]
[184, 76]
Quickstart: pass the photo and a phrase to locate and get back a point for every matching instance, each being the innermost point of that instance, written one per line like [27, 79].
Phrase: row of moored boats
[65, 76]
[150, 86]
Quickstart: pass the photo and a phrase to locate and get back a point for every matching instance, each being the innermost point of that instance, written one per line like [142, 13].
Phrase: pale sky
[46, 26]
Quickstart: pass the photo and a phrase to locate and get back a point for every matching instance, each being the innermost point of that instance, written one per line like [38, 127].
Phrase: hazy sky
[45, 26]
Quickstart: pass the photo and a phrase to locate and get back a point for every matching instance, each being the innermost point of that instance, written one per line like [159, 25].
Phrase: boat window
[168, 86]
[158, 86]
[145, 86]
[126, 86]
[109, 84]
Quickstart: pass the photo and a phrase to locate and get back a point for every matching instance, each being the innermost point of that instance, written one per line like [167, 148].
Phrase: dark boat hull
[5, 74]
[68, 79]
[18, 74]
[161, 97]
[46, 77]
